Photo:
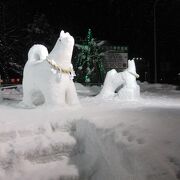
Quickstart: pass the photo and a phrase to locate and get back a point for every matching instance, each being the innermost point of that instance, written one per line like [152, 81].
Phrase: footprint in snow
[178, 174]
[176, 162]
[130, 138]
[125, 133]
[140, 140]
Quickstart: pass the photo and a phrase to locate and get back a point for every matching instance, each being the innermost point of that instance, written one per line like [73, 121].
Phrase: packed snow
[104, 139]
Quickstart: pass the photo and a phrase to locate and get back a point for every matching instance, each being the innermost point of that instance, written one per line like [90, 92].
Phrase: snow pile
[29, 150]
[12, 92]
[87, 90]
[69, 148]
[47, 149]
[145, 86]
[124, 82]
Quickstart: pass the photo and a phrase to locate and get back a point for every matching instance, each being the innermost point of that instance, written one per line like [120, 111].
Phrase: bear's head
[66, 39]
[132, 68]
[63, 49]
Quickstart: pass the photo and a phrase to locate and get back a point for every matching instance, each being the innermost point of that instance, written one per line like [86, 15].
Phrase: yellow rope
[134, 74]
[58, 68]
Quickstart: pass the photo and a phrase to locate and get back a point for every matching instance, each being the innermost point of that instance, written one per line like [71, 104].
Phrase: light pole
[155, 42]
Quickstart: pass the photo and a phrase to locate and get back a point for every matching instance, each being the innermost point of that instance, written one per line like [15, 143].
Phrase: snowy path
[35, 148]
[140, 146]
[99, 141]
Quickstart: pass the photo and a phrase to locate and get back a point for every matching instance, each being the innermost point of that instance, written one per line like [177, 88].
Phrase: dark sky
[122, 22]
[109, 19]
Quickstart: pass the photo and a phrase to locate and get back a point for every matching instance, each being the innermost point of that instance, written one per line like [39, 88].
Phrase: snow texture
[123, 82]
[1, 98]
[47, 78]
[101, 140]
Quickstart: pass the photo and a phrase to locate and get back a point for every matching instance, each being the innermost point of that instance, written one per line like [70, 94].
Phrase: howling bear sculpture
[48, 78]
[124, 82]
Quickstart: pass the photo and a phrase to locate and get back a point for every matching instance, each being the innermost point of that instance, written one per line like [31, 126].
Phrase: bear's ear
[130, 62]
[61, 33]
[67, 34]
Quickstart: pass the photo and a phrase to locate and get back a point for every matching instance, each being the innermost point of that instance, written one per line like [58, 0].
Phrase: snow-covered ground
[101, 140]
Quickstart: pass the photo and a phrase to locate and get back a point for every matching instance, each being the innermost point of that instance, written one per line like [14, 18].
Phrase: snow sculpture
[49, 78]
[126, 81]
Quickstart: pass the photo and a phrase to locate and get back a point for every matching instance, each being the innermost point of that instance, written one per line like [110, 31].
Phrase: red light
[13, 80]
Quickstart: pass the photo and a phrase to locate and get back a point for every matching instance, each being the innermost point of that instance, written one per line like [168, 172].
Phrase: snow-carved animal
[48, 78]
[124, 81]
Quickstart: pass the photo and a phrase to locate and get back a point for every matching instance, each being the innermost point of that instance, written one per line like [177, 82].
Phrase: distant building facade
[115, 57]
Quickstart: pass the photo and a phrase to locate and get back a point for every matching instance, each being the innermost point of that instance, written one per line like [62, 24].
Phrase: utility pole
[155, 42]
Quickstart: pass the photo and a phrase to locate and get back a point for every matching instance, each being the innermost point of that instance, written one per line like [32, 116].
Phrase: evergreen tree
[89, 66]
[39, 31]
[10, 47]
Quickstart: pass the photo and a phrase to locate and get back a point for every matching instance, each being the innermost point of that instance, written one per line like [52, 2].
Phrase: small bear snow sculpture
[126, 81]
[48, 78]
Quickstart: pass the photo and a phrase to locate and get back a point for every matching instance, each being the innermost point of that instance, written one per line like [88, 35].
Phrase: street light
[155, 43]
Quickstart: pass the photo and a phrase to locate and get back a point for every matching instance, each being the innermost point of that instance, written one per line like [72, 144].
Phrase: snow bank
[12, 92]
[30, 149]
[87, 90]
[51, 149]
[145, 86]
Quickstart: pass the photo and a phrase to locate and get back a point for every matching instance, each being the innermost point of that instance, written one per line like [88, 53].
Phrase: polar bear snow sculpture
[126, 81]
[47, 77]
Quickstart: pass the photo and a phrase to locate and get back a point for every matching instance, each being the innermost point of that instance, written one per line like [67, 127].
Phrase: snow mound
[145, 86]
[12, 92]
[30, 152]
[87, 90]
[70, 149]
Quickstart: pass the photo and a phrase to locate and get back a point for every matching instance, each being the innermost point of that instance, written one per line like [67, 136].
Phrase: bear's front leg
[71, 94]
[55, 95]
[27, 101]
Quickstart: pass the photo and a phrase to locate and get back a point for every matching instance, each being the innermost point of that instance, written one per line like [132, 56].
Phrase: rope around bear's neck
[56, 67]
[134, 74]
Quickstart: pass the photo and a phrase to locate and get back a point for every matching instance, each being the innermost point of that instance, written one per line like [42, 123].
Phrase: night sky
[121, 22]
